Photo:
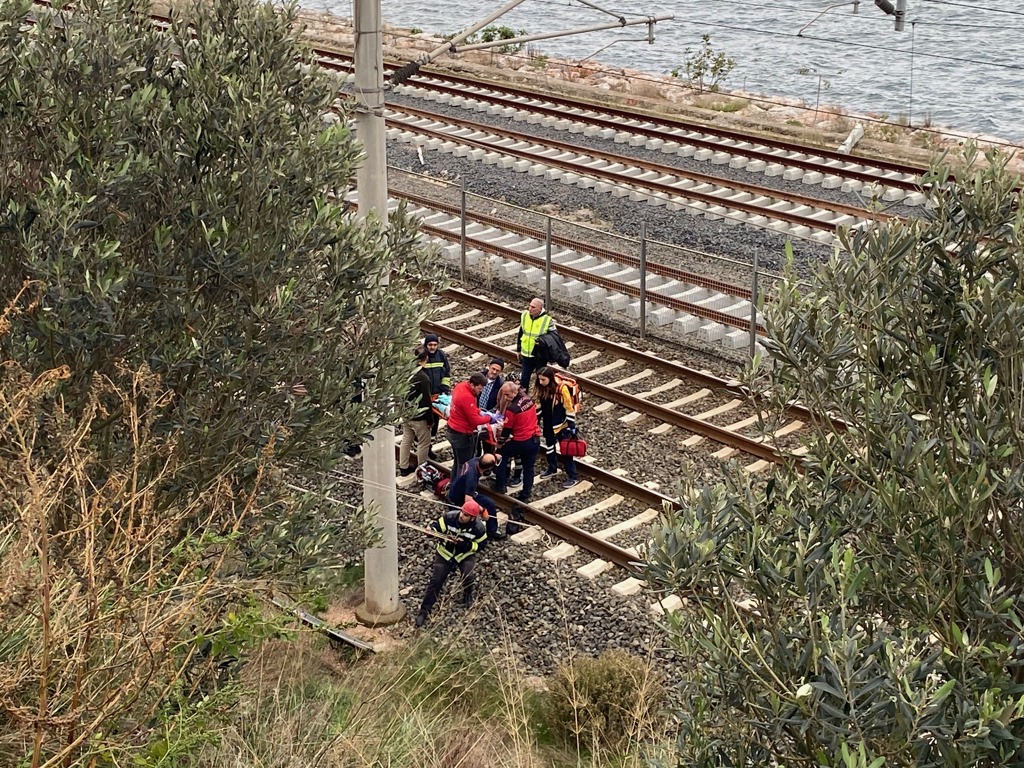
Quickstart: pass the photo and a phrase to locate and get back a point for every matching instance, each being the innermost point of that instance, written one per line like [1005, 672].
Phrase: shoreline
[826, 127]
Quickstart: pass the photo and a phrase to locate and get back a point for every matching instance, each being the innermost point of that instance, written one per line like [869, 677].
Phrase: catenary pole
[381, 602]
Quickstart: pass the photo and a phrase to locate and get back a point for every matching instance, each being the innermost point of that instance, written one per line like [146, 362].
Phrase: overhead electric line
[974, 7]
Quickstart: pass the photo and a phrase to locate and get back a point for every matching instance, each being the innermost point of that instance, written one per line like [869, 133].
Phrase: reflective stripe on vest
[447, 554]
[532, 328]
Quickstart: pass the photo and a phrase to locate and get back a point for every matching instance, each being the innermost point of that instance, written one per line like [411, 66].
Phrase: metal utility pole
[381, 604]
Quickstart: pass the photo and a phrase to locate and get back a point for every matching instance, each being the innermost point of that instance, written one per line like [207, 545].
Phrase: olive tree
[175, 200]
[188, 310]
[861, 606]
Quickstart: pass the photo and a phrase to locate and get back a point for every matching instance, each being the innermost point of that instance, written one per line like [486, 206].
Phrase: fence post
[753, 308]
[643, 279]
[462, 239]
[547, 264]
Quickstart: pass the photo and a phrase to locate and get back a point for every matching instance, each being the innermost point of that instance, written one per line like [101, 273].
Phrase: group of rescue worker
[493, 423]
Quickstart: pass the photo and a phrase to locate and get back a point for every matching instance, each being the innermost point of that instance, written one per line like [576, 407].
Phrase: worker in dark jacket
[463, 532]
[466, 485]
[438, 368]
[519, 437]
[416, 429]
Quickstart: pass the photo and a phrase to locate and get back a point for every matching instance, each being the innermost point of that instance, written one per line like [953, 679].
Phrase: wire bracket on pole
[454, 45]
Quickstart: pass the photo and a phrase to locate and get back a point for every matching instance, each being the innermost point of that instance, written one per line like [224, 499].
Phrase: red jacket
[464, 415]
[520, 419]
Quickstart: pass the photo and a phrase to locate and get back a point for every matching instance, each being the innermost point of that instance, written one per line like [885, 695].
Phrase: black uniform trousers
[442, 570]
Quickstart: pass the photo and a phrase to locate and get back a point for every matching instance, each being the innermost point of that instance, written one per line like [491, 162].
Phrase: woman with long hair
[558, 416]
[518, 439]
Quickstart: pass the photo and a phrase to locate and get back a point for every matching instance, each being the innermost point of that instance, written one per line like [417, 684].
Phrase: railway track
[642, 181]
[715, 310]
[771, 156]
[600, 523]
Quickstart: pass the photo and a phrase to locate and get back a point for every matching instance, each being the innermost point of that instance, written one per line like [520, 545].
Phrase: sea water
[955, 64]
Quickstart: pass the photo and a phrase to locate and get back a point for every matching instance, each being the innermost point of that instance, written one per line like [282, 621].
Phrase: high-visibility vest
[448, 554]
[532, 328]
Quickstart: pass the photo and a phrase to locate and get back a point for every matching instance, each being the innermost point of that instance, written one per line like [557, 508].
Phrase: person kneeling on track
[465, 486]
[462, 533]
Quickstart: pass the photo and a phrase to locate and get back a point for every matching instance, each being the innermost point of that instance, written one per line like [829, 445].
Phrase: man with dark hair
[416, 429]
[488, 398]
[461, 534]
[463, 419]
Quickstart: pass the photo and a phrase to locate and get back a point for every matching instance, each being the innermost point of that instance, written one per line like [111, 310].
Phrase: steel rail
[561, 103]
[666, 124]
[621, 181]
[759, 449]
[582, 275]
[662, 270]
[597, 546]
[701, 378]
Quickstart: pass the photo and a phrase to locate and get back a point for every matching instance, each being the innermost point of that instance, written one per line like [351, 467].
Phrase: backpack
[428, 475]
[550, 348]
[575, 393]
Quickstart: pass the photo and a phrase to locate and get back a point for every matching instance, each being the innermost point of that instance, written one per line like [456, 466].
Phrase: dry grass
[427, 705]
[102, 590]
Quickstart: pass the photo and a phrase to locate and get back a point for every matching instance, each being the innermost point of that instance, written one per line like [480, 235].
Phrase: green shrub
[705, 69]
[605, 703]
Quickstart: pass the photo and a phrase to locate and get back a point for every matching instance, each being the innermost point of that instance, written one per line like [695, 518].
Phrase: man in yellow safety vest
[533, 322]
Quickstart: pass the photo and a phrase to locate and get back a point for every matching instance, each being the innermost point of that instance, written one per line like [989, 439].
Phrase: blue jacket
[464, 486]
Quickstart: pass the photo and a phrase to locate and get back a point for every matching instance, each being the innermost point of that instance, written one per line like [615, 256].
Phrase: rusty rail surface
[701, 378]
[756, 448]
[587, 277]
[608, 116]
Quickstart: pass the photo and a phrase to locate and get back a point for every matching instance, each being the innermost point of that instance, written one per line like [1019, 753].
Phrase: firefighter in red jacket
[464, 418]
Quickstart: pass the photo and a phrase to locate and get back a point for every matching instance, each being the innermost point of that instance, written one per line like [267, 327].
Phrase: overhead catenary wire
[974, 7]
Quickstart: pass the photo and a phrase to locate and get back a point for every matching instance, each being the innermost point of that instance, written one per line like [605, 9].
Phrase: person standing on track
[463, 419]
[558, 414]
[438, 368]
[534, 322]
[518, 438]
[416, 429]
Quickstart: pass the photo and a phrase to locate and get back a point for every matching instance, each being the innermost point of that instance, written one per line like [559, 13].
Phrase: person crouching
[467, 486]
[463, 533]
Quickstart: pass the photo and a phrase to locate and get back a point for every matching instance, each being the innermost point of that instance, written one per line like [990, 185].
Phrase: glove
[571, 432]
[495, 418]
